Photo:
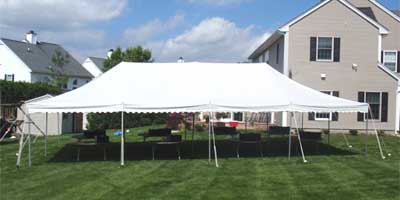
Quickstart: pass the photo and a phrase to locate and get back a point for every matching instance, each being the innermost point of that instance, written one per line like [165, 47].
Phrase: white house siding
[91, 67]
[11, 64]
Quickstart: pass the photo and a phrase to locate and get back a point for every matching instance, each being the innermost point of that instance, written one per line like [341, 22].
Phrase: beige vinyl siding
[359, 45]
[272, 50]
[392, 40]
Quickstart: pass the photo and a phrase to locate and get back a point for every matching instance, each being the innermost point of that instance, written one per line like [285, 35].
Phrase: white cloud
[58, 13]
[146, 32]
[217, 2]
[213, 40]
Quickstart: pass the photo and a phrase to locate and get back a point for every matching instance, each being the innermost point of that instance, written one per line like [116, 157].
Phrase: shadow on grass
[274, 147]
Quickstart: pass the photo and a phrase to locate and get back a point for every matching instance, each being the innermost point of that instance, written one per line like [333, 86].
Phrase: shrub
[174, 120]
[325, 131]
[14, 92]
[199, 127]
[131, 120]
[353, 132]
[381, 132]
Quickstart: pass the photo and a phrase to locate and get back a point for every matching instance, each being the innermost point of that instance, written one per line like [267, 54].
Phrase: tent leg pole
[209, 137]
[29, 144]
[215, 148]
[193, 116]
[290, 142]
[58, 128]
[45, 136]
[329, 131]
[366, 138]
[298, 137]
[122, 140]
[376, 134]
[21, 146]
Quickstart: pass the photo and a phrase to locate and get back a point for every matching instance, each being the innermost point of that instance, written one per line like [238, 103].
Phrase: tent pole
[193, 116]
[376, 134]
[58, 128]
[215, 148]
[122, 139]
[290, 141]
[29, 143]
[366, 137]
[298, 137]
[45, 136]
[329, 131]
[209, 137]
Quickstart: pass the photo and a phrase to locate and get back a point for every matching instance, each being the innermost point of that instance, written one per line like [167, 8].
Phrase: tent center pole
[122, 139]
[215, 148]
[45, 136]
[209, 137]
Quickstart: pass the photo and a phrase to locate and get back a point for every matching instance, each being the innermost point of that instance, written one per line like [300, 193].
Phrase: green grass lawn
[333, 171]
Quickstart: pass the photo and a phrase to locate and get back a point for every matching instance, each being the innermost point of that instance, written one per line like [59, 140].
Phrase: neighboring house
[345, 48]
[30, 60]
[94, 65]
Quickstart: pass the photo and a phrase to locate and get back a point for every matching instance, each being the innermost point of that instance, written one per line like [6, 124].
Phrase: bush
[381, 132]
[325, 131]
[131, 120]
[15, 92]
[174, 120]
[199, 127]
[353, 132]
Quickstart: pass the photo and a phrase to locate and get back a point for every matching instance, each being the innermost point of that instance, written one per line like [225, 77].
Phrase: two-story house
[30, 60]
[345, 48]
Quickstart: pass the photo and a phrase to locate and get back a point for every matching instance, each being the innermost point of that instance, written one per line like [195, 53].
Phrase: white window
[374, 101]
[324, 116]
[9, 77]
[390, 59]
[324, 49]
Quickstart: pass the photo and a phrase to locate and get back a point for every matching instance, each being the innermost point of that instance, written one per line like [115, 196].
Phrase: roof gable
[38, 57]
[382, 29]
[387, 11]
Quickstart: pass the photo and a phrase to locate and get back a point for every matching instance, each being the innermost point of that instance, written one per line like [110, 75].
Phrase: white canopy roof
[194, 87]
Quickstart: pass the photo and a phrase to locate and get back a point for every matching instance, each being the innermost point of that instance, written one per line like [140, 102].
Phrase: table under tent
[194, 87]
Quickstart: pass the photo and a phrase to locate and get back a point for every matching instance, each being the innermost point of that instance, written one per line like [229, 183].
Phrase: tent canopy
[194, 87]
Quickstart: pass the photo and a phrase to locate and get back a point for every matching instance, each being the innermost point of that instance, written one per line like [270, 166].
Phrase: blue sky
[201, 30]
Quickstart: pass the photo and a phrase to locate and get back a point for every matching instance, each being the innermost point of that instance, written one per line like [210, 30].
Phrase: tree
[59, 60]
[113, 120]
[132, 54]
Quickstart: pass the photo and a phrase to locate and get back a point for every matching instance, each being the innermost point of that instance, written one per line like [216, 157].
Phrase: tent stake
[298, 137]
[122, 139]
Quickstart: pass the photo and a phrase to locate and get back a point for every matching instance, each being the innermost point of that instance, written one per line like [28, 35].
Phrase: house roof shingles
[38, 57]
[99, 62]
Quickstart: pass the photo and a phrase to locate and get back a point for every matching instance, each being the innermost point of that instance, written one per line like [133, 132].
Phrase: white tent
[194, 87]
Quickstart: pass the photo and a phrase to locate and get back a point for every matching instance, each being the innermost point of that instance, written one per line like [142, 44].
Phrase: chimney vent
[31, 37]
[109, 53]
[181, 60]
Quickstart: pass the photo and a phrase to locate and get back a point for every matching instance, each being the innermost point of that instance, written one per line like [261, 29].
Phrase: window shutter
[360, 116]
[335, 115]
[384, 107]
[382, 56]
[311, 116]
[398, 62]
[336, 50]
[313, 49]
